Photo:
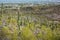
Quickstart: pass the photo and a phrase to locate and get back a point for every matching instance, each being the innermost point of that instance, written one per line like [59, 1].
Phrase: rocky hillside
[51, 12]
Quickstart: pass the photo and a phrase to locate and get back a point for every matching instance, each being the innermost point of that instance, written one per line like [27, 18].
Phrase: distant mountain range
[44, 2]
[37, 2]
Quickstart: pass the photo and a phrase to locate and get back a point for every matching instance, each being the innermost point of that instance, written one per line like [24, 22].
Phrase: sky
[22, 1]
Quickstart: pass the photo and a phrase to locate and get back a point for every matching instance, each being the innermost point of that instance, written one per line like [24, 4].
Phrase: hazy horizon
[27, 1]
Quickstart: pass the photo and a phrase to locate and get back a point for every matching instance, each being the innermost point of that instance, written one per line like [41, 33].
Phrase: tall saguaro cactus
[18, 20]
[1, 9]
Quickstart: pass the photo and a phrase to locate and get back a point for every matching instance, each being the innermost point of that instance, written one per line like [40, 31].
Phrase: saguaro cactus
[1, 9]
[18, 19]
